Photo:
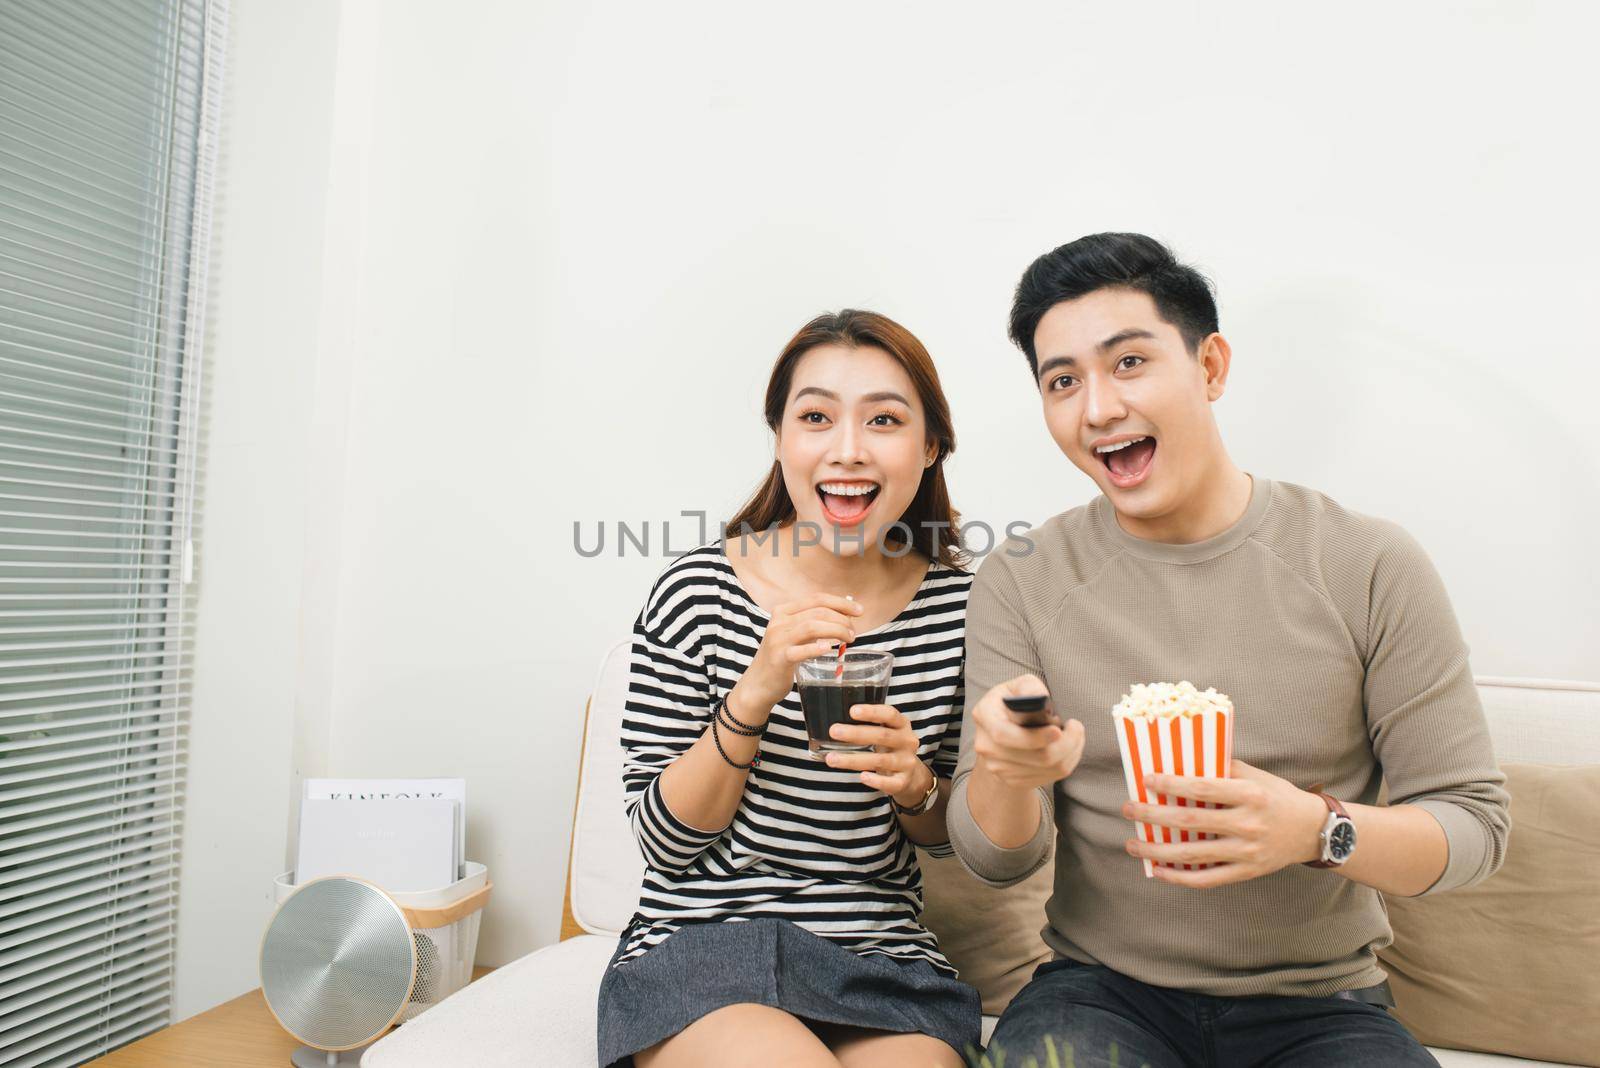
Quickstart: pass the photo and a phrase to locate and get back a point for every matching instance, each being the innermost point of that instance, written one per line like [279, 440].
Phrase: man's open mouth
[847, 503]
[1128, 461]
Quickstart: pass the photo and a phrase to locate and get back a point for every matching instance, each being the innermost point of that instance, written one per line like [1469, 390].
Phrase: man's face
[1112, 372]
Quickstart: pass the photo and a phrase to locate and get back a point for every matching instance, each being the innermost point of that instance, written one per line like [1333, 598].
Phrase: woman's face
[853, 445]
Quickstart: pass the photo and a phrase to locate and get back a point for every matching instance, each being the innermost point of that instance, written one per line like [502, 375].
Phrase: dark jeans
[1109, 1019]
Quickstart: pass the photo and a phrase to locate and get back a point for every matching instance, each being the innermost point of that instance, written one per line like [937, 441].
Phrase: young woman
[778, 922]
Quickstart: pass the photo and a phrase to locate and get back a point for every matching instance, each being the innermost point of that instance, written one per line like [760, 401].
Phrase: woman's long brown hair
[770, 504]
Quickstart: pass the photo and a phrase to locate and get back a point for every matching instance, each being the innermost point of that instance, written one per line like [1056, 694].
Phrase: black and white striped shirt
[808, 843]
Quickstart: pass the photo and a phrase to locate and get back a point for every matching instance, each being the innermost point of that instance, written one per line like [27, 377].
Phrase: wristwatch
[1338, 835]
[929, 799]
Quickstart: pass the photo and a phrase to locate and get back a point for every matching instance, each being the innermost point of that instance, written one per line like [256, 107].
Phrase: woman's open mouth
[847, 503]
[1128, 462]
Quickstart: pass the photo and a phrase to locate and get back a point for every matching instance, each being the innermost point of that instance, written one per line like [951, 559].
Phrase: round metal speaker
[337, 963]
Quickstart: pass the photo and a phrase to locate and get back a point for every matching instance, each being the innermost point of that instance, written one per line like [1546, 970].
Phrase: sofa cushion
[607, 866]
[539, 1009]
[991, 936]
[1532, 721]
[1510, 965]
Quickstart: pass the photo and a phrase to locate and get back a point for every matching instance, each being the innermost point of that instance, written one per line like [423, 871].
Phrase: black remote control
[1031, 711]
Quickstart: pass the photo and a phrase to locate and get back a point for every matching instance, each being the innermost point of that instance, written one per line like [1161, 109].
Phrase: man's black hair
[1100, 261]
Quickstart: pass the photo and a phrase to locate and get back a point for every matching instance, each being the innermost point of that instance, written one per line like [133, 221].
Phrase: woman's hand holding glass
[809, 626]
[892, 767]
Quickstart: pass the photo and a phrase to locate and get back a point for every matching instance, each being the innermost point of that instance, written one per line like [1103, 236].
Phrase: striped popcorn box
[1172, 730]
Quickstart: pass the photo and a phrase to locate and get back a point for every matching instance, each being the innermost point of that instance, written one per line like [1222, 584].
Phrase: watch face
[1342, 840]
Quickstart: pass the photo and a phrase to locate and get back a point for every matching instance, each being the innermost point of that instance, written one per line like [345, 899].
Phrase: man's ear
[1215, 356]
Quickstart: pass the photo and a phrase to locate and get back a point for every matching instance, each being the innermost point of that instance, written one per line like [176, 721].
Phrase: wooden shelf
[236, 1034]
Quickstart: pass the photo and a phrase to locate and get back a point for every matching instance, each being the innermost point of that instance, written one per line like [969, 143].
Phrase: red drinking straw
[838, 667]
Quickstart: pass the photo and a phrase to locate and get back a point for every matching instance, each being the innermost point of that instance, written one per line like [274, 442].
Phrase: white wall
[563, 246]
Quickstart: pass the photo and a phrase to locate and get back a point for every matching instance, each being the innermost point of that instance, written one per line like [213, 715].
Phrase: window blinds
[108, 110]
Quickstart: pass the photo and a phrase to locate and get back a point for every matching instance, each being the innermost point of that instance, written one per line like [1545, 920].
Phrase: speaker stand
[307, 1057]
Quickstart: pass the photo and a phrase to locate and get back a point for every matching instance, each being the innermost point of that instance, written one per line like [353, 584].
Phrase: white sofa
[540, 1010]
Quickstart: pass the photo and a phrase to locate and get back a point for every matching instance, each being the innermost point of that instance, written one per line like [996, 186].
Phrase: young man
[1330, 631]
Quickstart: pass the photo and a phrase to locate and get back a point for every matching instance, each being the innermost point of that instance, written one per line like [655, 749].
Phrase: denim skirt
[706, 966]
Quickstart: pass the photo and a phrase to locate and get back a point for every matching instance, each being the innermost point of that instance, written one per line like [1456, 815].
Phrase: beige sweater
[1333, 635]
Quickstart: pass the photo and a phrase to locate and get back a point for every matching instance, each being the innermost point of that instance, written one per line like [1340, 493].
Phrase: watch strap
[929, 799]
[1338, 809]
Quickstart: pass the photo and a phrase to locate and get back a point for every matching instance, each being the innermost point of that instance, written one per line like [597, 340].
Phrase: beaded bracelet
[755, 761]
[737, 726]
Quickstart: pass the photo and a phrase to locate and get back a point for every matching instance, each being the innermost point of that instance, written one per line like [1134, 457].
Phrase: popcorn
[1165, 700]
[1175, 730]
